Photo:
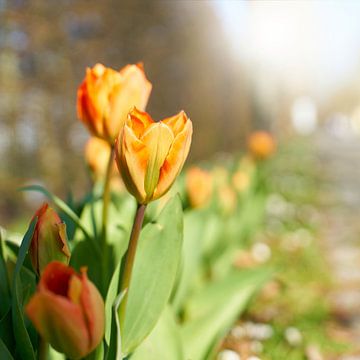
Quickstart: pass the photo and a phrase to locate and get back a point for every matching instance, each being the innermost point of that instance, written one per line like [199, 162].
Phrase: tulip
[150, 154]
[261, 145]
[67, 310]
[97, 153]
[49, 241]
[241, 180]
[106, 96]
[199, 185]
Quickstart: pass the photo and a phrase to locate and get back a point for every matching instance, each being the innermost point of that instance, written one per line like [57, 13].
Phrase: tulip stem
[129, 261]
[105, 210]
[43, 349]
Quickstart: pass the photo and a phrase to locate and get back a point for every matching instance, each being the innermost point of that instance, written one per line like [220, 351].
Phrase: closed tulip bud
[49, 241]
[67, 310]
[261, 145]
[199, 186]
[151, 154]
[106, 96]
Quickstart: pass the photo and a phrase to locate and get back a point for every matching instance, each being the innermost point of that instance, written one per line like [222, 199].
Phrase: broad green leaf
[194, 223]
[210, 313]
[154, 273]
[164, 342]
[22, 338]
[4, 352]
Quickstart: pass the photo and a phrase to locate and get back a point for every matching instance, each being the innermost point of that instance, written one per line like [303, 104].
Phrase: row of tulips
[154, 278]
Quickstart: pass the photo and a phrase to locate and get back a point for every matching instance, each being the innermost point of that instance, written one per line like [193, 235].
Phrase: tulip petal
[60, 322]
[176, 122]
[133, 90]
[93, 307]
[131, 158]
[174, 160]
[157, 139]
[139, 121]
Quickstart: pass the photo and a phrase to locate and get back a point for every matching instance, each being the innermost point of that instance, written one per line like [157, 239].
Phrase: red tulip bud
[67, 310]
[49, 240]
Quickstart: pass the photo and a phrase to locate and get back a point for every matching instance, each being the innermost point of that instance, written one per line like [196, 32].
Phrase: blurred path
[339, 161]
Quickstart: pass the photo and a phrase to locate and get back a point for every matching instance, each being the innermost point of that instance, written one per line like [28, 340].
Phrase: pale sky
[303, 43]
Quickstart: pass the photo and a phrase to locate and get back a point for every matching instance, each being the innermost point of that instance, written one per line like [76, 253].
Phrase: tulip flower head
[49, 241]
[150, 154]
[106, 96]
[199, 186]
[261, 145]
[67, 310]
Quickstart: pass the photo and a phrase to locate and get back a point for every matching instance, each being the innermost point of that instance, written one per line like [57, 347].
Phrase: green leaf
[63, 207]
[164, 342]
[115, 346]
[194, 224]
[22, 338]
[4, 352]
[109, 302]
[154, 273]
[210, 313]
[4, 280]
[119, 225]
[6, 331]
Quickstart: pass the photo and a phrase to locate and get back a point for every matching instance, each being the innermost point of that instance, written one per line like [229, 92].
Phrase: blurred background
[234, 66]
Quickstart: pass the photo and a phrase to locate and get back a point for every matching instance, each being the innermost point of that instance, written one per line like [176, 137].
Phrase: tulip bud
[150, 154]
[106, 96]
[49, 241]
[67, 310]
[261, 145]
[199, 186]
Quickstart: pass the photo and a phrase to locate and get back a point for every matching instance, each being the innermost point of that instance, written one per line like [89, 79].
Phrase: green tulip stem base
[129, 261]
[43, 349]
[106, 202]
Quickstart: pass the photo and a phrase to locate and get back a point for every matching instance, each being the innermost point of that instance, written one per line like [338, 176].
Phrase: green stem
[129, 261]
[43, 349]
[105, 210]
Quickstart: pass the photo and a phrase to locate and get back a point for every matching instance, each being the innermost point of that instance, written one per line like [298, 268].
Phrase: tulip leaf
[4, 280]
[210, 313]
[63, 207]
[164, 342]
[6, 333]
[155, 269]
[22, 338]
[194, 223]
[4, 352]
[115, 350]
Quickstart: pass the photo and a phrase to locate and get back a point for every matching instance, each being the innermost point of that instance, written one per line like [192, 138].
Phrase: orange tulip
[150, 154]
[199, 185]
[67, 310]
[49, 241]
[261, 145]
[97, 153]
[106, 96]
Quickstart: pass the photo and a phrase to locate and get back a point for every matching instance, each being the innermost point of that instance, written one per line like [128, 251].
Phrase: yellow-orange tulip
[241, 181]
[261, 145]
[106, 96]
[199, 186]
[67, 310]
[151, 154]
